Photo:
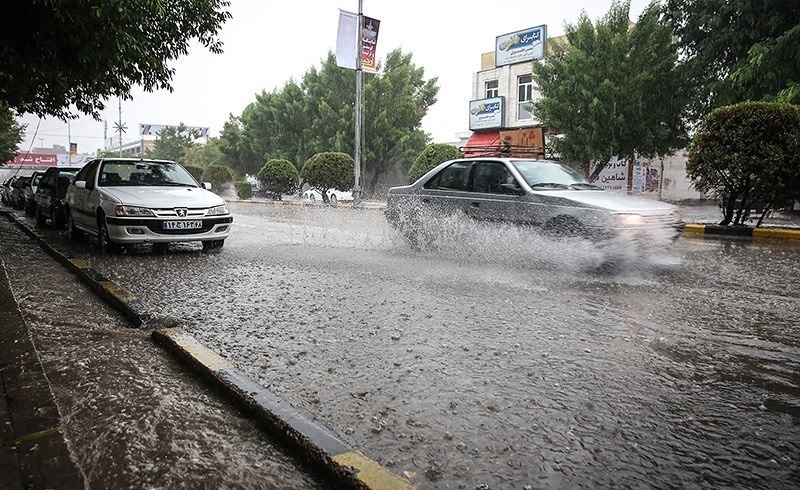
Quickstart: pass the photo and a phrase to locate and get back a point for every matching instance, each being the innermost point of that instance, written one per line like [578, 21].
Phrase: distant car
[129, 200]
[30, 189]
[49, 200]
[334, 195]
[541, 193]
[17, 197]
[5, 190]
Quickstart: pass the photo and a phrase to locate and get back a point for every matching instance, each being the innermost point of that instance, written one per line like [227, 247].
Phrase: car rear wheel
[334, 200]
[40, 218]
[74, 233]
[57, 218]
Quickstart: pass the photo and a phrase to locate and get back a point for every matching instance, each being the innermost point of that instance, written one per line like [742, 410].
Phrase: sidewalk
[704, 219]
[34, 453]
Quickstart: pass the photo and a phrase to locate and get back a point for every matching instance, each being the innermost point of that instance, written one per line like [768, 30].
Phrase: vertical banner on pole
[346, 40]
[369, 44]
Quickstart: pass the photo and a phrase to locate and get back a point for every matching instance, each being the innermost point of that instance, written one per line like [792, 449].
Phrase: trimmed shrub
[745, 153]
[197, 172]
[279, 176]
[431, 156]
[244, 189]
[329, 170]
[219, 176]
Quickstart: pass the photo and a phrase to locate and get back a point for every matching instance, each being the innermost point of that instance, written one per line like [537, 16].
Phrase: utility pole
[120, 126]
[359, 82]
[69, 141]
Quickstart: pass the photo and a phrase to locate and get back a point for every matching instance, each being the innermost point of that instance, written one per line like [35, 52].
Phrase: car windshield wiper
[552, 185]
[584, 185]
[176, 184]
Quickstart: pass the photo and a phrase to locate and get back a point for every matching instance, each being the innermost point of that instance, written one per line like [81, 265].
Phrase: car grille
[172, 213]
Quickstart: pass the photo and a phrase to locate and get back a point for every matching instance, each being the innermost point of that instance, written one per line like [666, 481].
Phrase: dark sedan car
[540, 193]
[50, 194]
[17, 198]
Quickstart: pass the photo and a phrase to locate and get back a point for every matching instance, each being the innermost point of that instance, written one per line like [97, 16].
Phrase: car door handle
[474, 204]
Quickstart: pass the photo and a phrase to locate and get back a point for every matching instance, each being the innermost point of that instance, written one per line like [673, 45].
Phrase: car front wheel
[106, 245]
[213, 244]
[40, 218]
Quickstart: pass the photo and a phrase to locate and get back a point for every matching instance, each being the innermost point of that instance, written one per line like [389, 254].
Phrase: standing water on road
[483, 362]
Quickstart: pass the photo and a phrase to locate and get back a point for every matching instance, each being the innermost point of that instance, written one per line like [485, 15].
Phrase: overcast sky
[269, 42]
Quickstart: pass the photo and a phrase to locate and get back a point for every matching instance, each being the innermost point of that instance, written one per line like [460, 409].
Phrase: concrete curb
[302, 204]
[743, 231]
[316, 444]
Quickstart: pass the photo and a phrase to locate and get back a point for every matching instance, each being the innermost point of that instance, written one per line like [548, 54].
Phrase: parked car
[5, 190]
[334, 195]
[17, 197]
[130, 200]
[49, 199]
[545, 194]
[30, 189]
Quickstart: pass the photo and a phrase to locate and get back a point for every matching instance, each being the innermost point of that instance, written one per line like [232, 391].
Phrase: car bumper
[138, 230]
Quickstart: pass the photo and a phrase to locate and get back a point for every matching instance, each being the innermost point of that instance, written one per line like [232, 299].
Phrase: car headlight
[122, 210]
[629, 219]
[218, 210]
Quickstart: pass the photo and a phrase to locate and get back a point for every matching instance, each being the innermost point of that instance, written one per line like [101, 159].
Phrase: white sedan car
[334, 195]
[125, 201]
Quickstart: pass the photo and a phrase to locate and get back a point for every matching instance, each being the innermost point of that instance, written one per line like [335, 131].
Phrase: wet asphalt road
[500, 359]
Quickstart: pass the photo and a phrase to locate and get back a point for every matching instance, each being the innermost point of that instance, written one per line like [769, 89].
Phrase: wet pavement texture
[500, 359]
[133, 417]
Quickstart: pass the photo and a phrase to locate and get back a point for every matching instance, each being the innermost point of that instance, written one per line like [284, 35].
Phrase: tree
[613, 88]
[431, 156]
[279, 176]
[54, 54]
[235, 154]
[219, 176]
[328, 170]
[737, 50]
[317, 115]
[745, 153]
[172, 143]
[10, 134]
[203, 155]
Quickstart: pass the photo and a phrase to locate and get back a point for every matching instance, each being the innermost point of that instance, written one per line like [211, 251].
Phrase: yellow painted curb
[80, 263]
[117, 292]
[204, 355]
[776, 233]
[372, 473]
[693, 228]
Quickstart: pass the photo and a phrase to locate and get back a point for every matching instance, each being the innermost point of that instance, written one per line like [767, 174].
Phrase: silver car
[127, 201]
[545, 194]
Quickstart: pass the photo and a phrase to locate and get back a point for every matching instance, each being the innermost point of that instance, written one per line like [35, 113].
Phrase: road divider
[743, 231]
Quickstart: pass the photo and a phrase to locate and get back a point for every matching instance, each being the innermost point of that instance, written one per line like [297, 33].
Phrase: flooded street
[134, 417]
[495, 359]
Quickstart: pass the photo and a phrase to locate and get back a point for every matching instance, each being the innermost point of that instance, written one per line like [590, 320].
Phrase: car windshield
[543, 175]
[144, 173]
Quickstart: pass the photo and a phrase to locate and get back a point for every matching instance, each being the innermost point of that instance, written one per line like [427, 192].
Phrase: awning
[482, 144]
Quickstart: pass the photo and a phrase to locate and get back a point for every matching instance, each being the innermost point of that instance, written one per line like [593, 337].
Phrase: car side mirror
[207, 186]
[512, 188]
[80, 184]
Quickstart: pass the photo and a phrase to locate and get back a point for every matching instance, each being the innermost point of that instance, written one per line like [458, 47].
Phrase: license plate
[182, 225]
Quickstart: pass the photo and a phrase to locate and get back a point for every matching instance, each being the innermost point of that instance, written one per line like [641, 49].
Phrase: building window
[524, 96]
[492, 88]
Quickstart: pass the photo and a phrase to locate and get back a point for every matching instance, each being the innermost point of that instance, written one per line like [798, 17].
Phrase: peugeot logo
[181, 212]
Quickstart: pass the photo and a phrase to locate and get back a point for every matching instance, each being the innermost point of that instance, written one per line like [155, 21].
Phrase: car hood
[611, 201]
[164, 197]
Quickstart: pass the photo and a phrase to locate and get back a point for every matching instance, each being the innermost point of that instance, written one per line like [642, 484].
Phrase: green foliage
[317, 115]
[737, 50]
[431, 156]
[54, 54]
[203, 155]
[747, 152]
[10, 134]
[235, 154]
[244, 189]
[197, 172]
[613, 88]
[172, 143]
[328, 170]
[279, 176]
[219, 176]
